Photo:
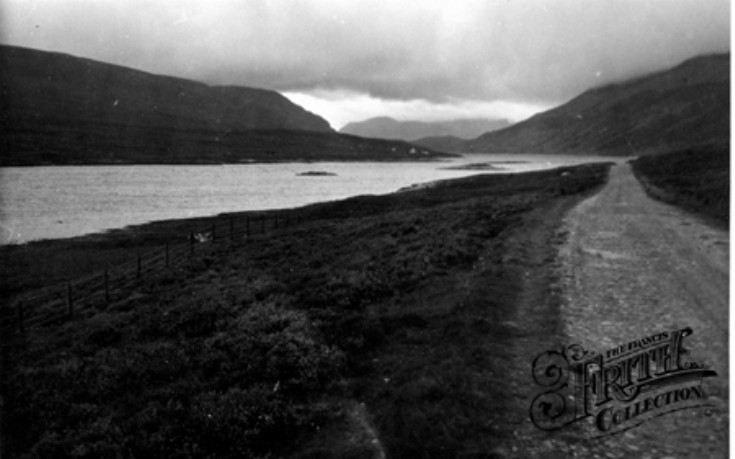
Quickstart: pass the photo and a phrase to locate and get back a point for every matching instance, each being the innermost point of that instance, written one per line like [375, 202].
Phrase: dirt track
[632, 267]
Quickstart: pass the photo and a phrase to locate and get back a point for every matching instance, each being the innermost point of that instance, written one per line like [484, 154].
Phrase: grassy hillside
[40, 87]
[380, 322]
[697, 179]
[686, 106]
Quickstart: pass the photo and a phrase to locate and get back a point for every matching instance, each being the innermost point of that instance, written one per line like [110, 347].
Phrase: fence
[61, 302]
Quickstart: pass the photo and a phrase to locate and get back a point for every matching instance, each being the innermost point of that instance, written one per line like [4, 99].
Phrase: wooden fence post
[70, 299]
[20, 317]
[107, 286]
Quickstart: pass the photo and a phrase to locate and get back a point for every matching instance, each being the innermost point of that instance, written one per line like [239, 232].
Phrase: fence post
[70, 299]
[139, 266]
[167, 254]
[107, 286]
[20, 317]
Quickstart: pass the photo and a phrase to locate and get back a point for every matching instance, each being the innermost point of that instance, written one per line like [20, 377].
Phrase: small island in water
[486, 166]
[316, 174]
[474, 167]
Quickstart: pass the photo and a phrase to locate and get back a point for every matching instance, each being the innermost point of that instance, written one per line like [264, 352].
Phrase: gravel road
[633, 267]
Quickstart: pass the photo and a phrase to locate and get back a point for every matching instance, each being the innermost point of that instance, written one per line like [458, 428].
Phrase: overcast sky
[348, 60]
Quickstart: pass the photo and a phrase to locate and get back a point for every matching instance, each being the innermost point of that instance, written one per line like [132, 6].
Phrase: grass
[696, 179]
[48, 262]
[271, 346]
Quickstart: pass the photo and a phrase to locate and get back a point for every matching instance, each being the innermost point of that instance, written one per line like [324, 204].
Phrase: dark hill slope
[678, 108]
[60, 109]
[41, 86]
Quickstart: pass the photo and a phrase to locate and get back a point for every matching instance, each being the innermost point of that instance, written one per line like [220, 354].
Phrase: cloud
[533, 52]
[341, 107]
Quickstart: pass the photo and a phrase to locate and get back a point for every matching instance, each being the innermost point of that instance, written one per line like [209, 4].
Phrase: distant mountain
[59, 109]
[389, 128]
[682, 107]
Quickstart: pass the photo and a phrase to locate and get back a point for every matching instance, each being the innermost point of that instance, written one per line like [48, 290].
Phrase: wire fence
[61, 302]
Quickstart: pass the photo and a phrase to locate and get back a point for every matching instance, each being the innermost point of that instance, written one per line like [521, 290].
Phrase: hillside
[40, 86]
[60, 109]
[682, 107]
[442, 143]
[389, 128]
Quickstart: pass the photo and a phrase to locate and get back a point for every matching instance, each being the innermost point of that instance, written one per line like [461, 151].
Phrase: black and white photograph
[365, 229]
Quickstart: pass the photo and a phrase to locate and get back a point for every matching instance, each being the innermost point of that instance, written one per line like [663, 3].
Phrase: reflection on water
[53, 202]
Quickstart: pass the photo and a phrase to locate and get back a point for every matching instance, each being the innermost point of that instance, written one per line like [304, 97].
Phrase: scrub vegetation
[696, 179]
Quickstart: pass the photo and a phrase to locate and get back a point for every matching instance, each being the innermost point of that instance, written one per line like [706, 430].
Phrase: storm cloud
[462, 53]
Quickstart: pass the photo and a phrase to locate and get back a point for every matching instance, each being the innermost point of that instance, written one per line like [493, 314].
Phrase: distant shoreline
[434, 159]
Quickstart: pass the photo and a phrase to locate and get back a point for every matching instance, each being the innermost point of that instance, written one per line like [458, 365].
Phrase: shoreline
[438, 158]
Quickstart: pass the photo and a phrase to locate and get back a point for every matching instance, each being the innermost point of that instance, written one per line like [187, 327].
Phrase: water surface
[63, 201]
